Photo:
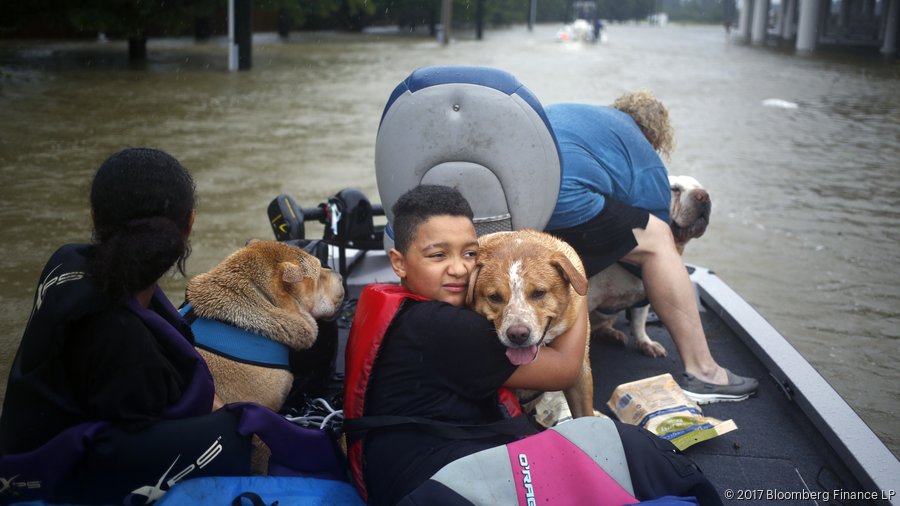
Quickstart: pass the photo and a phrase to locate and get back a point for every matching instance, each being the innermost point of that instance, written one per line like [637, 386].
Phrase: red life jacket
[375, 309]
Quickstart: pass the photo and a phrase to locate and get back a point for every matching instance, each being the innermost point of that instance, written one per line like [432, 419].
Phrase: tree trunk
[285, 23]
[432, 20]
[137, 48]
[202, 28]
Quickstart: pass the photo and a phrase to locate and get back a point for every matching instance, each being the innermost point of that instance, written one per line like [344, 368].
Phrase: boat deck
[775, 449]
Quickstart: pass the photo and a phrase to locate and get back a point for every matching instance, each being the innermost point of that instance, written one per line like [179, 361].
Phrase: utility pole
[479, 19]
[240, 34]
[446, 19]
[532, 15]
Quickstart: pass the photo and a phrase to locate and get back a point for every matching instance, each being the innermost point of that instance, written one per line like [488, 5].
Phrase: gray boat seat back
[477, 129]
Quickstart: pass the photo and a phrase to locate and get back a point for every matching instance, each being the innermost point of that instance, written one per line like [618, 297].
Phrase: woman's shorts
[607, 237]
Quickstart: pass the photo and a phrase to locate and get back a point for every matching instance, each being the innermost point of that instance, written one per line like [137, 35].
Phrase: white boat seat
[477, 129]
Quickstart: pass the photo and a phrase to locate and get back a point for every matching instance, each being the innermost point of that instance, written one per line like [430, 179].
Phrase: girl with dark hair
[107, 401]
[106, 384]
[142, 205]
[85, 354]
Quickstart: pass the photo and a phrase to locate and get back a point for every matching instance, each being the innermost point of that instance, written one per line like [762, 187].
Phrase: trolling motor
[286, 218]
[348, 217]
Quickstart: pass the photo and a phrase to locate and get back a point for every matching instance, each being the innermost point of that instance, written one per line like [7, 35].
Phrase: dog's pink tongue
[521, 356]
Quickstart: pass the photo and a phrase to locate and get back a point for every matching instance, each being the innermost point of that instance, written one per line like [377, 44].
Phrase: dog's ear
[290, 272]
[470, 293]
[570, 273]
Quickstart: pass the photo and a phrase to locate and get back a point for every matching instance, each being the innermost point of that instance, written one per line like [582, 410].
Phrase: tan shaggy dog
[615, 289]
[271, 289]
[530, 285]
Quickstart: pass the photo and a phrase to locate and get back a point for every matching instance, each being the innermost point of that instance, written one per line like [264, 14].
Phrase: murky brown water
[805, 222]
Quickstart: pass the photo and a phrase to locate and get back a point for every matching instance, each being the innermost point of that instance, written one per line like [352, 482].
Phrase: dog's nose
[518, 334]
[701, 196]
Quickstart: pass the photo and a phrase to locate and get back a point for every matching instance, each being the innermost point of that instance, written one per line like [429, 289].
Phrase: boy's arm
[558, 364]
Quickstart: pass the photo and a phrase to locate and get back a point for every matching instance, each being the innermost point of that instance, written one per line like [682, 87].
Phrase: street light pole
[446, 19]
[532, 15]
[232, 48]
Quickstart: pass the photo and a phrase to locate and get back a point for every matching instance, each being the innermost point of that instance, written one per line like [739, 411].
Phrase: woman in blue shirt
[614, 206]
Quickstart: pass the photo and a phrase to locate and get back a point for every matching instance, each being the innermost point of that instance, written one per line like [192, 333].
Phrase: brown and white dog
[530, 285]
[615, 289]
[270, 289]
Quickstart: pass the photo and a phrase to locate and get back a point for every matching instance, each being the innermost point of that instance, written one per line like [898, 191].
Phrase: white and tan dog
[530, 285]
[615, 289]
[273, 290]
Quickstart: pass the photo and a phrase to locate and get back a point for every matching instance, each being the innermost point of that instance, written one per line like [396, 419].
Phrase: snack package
[659, 405]
[549, 409]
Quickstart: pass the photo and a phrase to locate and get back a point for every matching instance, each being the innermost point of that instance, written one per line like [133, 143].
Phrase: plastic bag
[659, 405]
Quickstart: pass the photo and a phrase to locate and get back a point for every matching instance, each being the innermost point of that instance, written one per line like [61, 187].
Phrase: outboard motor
[477, 129]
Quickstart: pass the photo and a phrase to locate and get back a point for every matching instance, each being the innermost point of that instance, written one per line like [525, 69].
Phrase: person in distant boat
[107, 400]
[613, 206]
[430, 395]
[598, 29]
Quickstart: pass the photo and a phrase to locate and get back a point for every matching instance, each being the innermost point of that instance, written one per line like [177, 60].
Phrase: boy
[440, 361]
[439, 365]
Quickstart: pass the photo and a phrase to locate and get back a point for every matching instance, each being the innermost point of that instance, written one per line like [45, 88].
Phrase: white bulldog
[615, 288]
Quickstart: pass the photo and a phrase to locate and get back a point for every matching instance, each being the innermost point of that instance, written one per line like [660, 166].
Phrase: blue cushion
[285, 490]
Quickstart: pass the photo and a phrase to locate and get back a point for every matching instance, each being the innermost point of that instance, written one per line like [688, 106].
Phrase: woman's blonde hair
[651, 116]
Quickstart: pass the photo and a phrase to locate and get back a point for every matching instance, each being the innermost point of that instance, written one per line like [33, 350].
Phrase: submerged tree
[618, 10]
[347, 14]
[135, 19]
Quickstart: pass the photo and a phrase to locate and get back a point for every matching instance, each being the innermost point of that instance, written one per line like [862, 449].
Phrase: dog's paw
[610, 334]
[652, 349]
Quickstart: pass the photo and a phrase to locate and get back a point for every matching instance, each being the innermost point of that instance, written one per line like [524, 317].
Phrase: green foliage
[411, 13]
[35, 12]
[134, 18]
[496, 12]
[348, 14]
[554, 11]
[138, 18]
[699, 11]
[625, 10]
[407, 13]
[125, 18]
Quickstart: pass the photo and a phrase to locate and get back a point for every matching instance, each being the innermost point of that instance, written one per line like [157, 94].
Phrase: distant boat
[579, 31]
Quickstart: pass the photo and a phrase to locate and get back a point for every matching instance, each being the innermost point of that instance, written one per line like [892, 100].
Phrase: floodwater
[806, 215]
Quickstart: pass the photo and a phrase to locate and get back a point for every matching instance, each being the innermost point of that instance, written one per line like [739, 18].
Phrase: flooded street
[806, 200]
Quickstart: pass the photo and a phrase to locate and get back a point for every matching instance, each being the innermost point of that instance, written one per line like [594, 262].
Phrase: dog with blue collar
[248, 312]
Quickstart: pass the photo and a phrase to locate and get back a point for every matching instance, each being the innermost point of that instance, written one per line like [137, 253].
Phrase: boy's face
[439, 259]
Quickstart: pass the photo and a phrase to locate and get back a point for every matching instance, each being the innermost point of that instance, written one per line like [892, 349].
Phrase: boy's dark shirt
[439, 362]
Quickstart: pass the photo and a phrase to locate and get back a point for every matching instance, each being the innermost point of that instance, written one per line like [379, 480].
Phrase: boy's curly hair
[420, 204]
[651, 116]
